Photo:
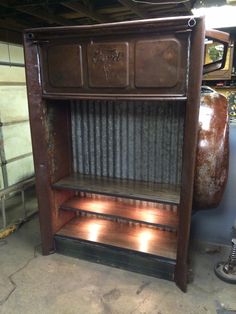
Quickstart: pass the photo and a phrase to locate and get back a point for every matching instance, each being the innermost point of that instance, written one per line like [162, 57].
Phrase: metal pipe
[20, 186]
[13, 122]
[12, 83]
[12, 64]
[23, 203]
[4, 218]
[3, 163]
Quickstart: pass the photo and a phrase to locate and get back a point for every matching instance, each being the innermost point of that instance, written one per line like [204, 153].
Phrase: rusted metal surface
[156, 59]
[62, 74]
[136, 64]
[146, 59]
[44, 152]
[212, 159]
[189, 152]
[108, 64]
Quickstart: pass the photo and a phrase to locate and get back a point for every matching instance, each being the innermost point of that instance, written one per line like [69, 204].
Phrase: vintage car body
[212, 159]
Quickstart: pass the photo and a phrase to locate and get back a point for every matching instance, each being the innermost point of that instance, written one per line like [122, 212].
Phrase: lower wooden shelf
[160, 215]
[109, 233]
[138, 249]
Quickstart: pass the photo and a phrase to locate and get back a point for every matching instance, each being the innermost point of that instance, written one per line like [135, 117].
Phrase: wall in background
[16, 149]
[215, 225]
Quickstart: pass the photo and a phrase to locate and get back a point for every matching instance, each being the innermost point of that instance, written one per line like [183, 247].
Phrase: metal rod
[18, 186]
[12, 83]
[12, 64]
[5, 162]
[13, 122]
[3, 207]
[23, 203]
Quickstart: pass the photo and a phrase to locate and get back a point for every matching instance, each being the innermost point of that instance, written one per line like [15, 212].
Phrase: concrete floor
[32, 283]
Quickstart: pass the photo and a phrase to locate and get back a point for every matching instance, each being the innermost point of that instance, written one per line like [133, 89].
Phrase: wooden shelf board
[123, 236]
[151, 214]
[156, 192]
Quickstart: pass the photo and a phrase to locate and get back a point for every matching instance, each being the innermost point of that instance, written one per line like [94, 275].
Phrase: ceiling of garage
[16, 15]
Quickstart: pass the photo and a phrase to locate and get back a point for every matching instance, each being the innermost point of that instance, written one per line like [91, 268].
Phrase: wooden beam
[80, 8]
[168, 11]
[13, 25]
[44, 15]
[37, 12]
[10, 36]
[134, 8]
[187, 6]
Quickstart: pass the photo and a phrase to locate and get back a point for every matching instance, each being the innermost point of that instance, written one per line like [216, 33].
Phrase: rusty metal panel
[119, 140]
[152, 66]
[212, 158]
[65, 65]
[157, 63]
[133, 140]
[108, 64]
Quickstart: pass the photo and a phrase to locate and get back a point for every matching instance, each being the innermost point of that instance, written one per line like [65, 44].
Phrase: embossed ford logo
[107, 57]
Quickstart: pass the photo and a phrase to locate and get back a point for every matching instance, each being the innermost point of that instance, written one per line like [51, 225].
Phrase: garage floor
[32, 283]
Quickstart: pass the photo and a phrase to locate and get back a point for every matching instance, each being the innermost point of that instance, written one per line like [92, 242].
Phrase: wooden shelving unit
[146, 191]
[114, 123]
[105, 232]
[151, 214]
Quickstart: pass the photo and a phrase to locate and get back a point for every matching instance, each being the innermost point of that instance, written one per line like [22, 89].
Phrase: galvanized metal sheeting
[140, 140]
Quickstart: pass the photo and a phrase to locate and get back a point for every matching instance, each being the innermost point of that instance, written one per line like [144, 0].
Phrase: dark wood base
[116, 257]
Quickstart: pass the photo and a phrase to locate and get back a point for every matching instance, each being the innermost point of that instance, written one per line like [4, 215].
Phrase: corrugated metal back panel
[138, 140]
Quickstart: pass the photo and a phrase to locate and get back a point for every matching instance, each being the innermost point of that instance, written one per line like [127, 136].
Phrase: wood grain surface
[148, 191]
[148, 213]
[142, 239]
